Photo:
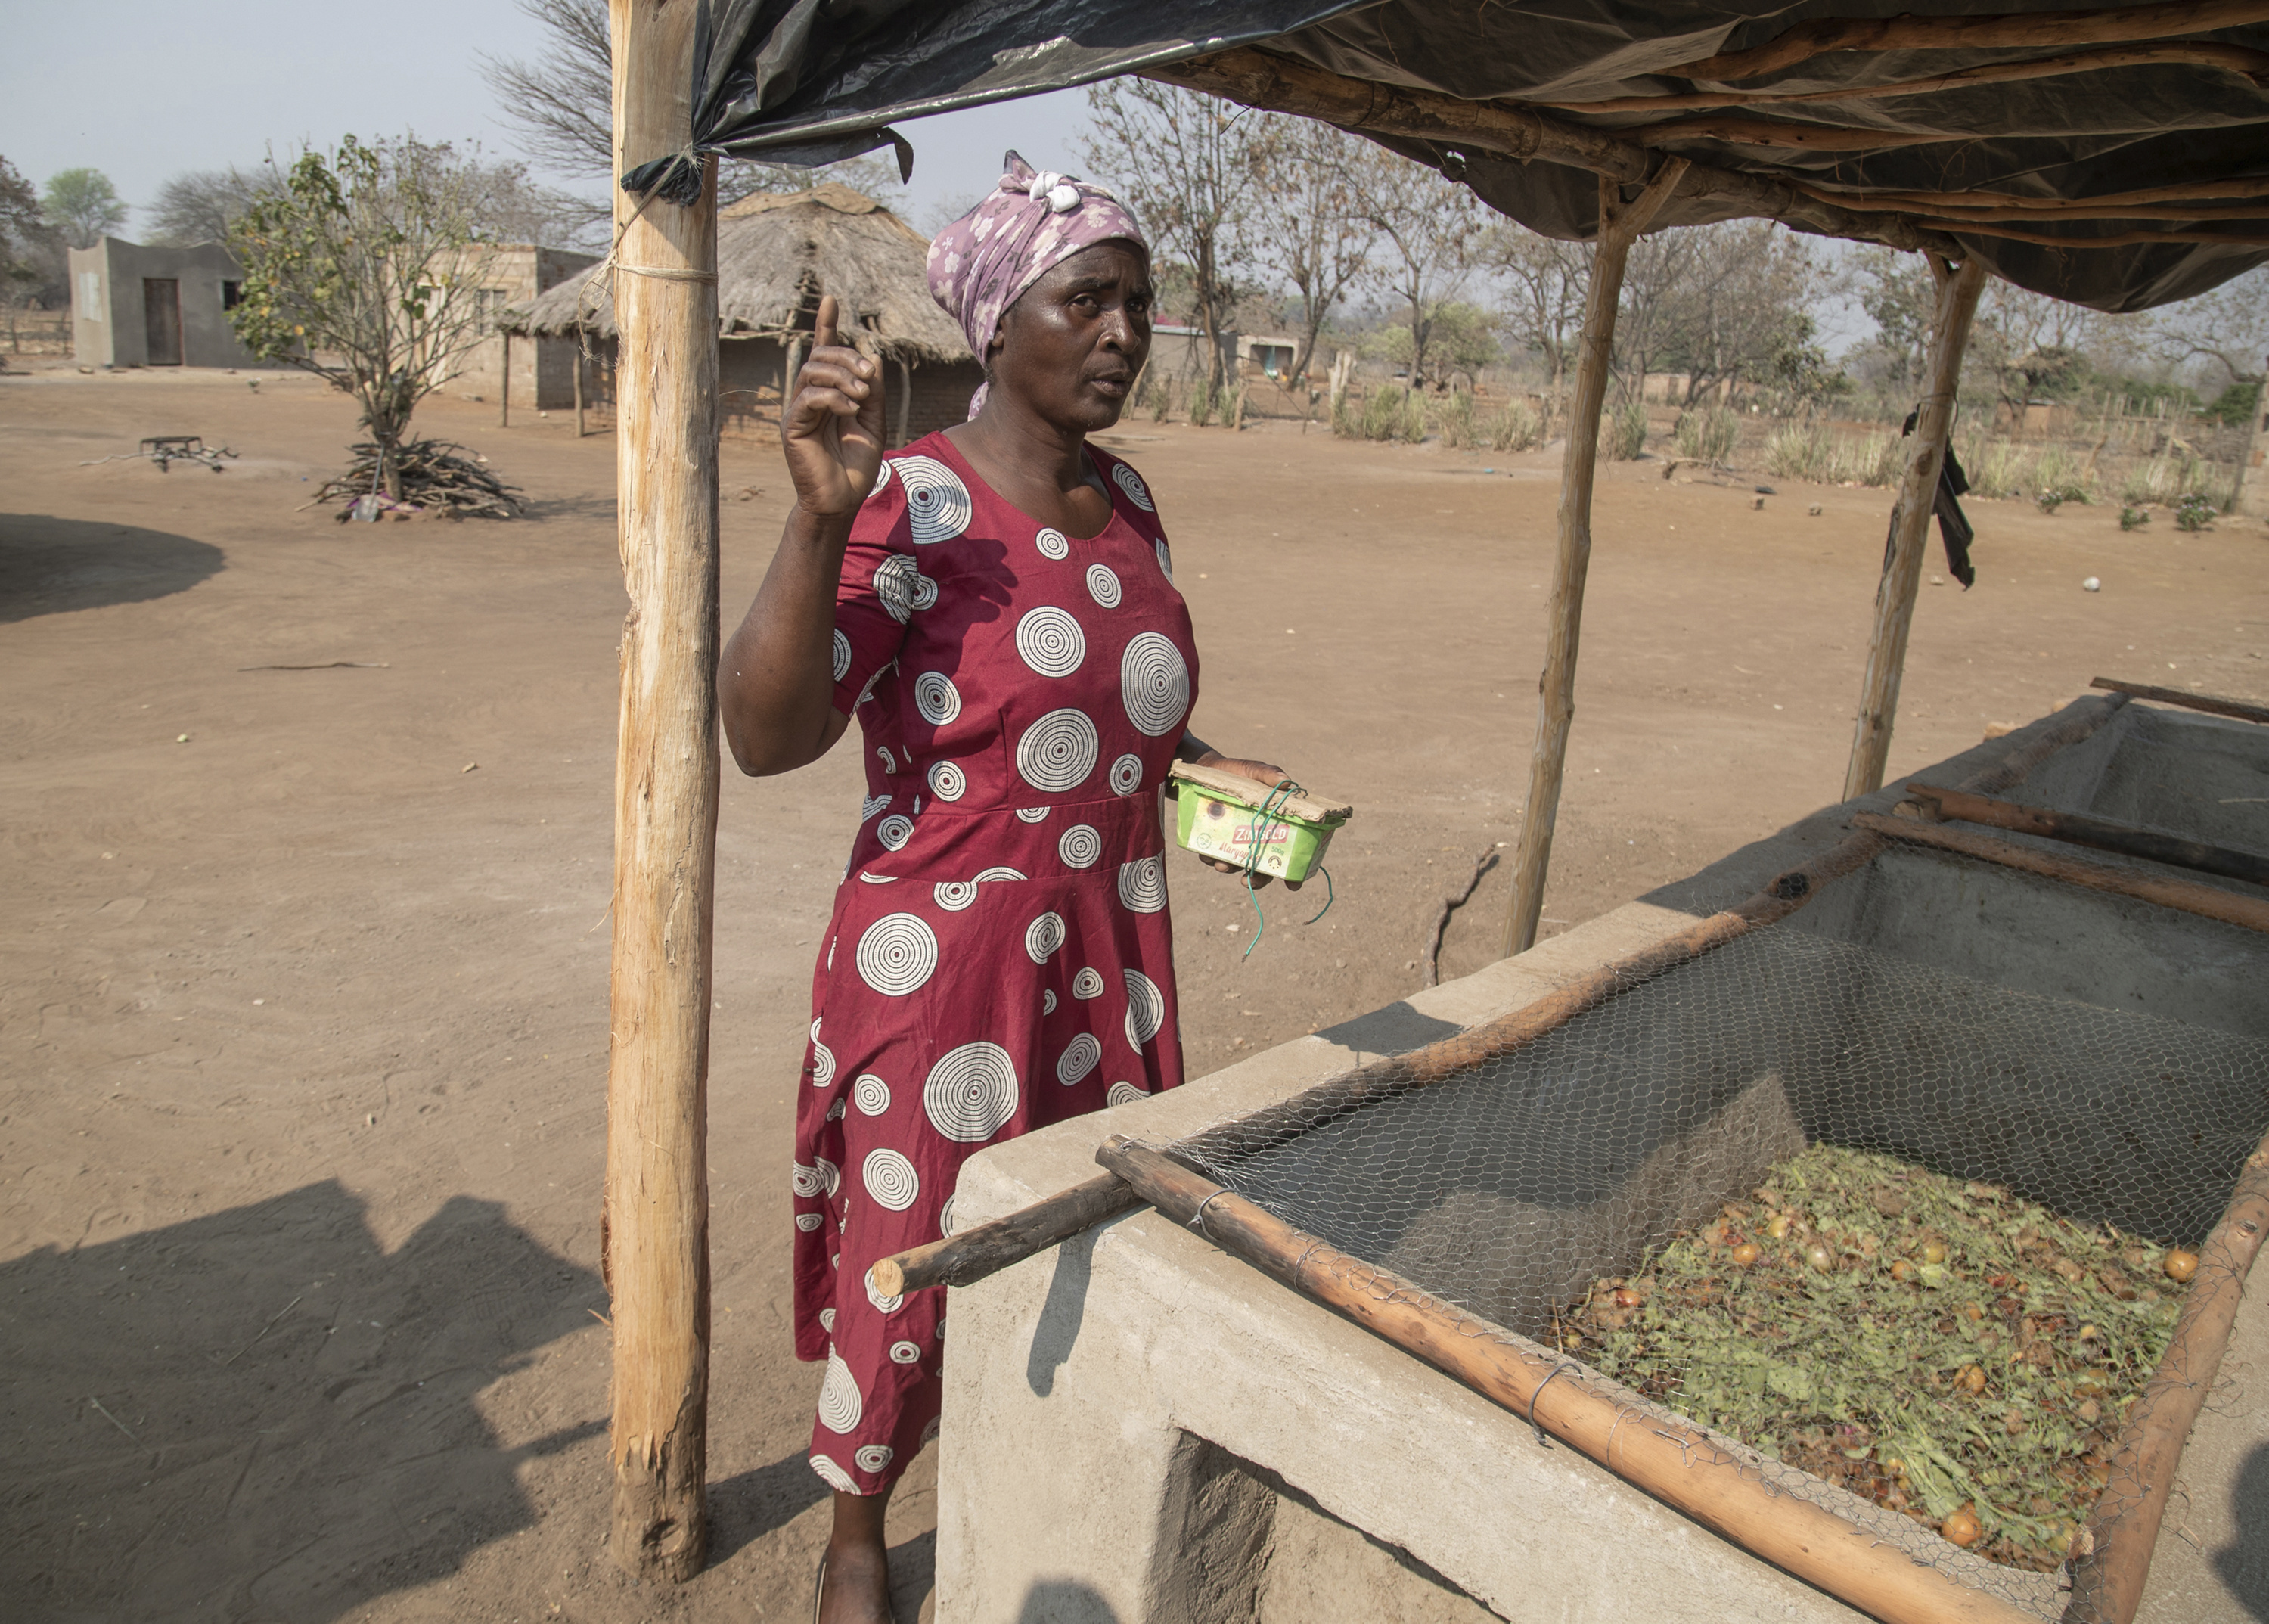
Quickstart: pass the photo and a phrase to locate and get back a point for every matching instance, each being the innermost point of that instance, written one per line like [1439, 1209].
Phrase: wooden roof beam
[2121, 26]
[2249, 65]
[1255, 78]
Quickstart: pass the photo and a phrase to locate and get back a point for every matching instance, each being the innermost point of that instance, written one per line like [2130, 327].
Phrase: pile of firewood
[438, 478]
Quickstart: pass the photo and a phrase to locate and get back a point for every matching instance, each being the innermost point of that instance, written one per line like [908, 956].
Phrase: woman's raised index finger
[823, 334]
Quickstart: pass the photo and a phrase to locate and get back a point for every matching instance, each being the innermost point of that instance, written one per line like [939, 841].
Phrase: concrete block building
[133, 305]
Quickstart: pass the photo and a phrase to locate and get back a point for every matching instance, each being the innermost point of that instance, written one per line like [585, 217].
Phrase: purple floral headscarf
[982, 263]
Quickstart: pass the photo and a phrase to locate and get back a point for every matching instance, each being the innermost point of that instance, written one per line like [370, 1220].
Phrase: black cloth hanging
[1954, 526]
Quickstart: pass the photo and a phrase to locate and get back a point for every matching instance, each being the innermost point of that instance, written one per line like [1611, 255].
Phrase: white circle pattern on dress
[1146, 1007]
[1032, 814]
[1154, 684]
[823, 1060]
[837, 1479]
[1080, 846]
[870, 1094]
[835, 1112]
[904, 1352]
[971, 1092]
[807, 1221]
[827, 1320]
[890, 762]
[930, 1429]
[947, 781]
[873, 1457]
[890, 1179]
[1123, 1094]
[1087, 984]
[872, 804]
[877, 879]
[830, 1176]
[1047, 1001]
[925, 592]
[805, 1181]
[881, 479]
[896, 954]
[1165, 560]
[842, 655]
[937, 503]
[945, 1217]
[1080, 1056]
[896, 580]
[840, 1401]
[1127, 480]
[1127, 775]
[1050, 641]
[1043, 936]
[1052, 543]
[999, 873]
[1143, 884]
[936, 698]
[954, 895]
[1102, 586]
[895, 830]
[1058, 752]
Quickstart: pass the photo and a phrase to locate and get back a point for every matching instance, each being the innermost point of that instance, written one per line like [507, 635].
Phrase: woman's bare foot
[858, 1587]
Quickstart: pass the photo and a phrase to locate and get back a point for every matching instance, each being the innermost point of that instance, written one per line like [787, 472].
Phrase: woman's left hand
[1263, 774]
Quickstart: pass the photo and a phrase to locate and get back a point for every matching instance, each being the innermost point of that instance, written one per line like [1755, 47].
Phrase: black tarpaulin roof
[2005, 114]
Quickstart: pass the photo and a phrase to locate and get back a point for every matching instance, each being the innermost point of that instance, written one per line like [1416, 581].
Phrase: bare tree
[1189, 167]
[1742, 311]
[562, 101]
[1429, 228]
[1306, 229]
[2228, 327]
[1544, 279]
[32, 257]
[199, 205]
[1654, 277]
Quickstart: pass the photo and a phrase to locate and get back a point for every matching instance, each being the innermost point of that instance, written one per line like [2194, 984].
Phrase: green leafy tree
[1429, 232]
[1308, 232]
[1461, 339]
[364, 267]
[83, 205]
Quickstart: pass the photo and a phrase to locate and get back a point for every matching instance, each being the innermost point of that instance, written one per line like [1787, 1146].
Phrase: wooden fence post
[504, 390]
[656, 1225]
[1620, 227]
[1894, 594]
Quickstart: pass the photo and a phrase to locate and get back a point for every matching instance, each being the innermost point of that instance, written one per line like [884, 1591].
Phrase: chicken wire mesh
[1515, 1188]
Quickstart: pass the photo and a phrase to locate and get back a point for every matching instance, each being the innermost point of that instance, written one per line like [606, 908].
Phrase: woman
[995, 604]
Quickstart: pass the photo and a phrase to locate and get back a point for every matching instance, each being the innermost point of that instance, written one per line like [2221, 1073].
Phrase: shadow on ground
[51, 566]
[262, 1414]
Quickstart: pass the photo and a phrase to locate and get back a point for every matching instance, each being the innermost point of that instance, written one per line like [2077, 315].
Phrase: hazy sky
[141, 91]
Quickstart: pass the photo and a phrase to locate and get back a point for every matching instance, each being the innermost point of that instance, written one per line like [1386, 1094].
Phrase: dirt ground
[303, 971]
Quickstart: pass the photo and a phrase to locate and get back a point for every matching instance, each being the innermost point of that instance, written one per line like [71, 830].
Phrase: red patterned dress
[999, 956]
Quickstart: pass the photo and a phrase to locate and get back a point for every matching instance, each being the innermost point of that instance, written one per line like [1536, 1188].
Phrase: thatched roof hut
[777, 253]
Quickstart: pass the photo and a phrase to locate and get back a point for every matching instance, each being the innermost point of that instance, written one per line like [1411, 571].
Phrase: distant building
[777, 253]
[137, 306]
[1268, 356]
[542, 371]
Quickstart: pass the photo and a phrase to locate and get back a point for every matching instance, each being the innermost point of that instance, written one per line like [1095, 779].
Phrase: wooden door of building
[161, 318]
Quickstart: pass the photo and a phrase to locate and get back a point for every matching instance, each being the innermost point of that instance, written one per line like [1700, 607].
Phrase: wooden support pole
[2209, 902]
[2211, 704]
[1895, 595]
[2107, 1581]
[504, 391]
[2078, 828]
[656, 1224]
[579, 389]
[905, 399]
[1677, 1462]
[1620, 225]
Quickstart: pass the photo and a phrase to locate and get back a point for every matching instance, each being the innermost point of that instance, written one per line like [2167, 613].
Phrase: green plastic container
[1215, 824]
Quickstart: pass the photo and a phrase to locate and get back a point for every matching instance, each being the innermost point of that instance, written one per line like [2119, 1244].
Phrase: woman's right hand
[832, 429]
